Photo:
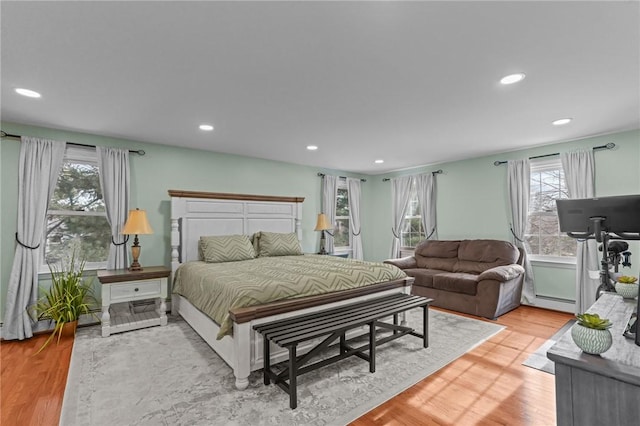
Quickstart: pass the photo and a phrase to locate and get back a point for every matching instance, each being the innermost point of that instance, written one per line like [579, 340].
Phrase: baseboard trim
[555, 304]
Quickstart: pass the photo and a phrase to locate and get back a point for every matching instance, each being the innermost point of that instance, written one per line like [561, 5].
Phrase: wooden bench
[335, 323]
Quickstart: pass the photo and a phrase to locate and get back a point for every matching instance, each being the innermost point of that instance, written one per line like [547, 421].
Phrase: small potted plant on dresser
[591, 333]
[69, 297]
[627, 287]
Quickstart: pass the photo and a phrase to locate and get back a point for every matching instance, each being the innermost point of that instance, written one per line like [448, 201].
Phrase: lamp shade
[323, 223]
[137, 223]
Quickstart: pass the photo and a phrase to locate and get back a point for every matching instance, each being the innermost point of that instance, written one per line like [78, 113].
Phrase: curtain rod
[341, 177]
[610, 145]
[7, 135]
[437, 172]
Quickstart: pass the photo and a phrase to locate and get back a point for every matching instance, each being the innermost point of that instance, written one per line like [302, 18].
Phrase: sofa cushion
[476, 256]
[456, 282]
[436, 248]
[434, 254]
[423, 277]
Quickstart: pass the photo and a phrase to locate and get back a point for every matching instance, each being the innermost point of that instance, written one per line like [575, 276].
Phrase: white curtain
[426, 189]
[400, 193]
[329, 194]
[579, 174]
[113, 164]
[518, 186]
[354, 191]
[40, 163]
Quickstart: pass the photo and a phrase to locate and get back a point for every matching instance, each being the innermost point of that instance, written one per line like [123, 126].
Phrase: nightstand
[122, 285]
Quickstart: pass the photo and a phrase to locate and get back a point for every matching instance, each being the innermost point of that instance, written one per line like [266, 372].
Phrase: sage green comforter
[215, 288]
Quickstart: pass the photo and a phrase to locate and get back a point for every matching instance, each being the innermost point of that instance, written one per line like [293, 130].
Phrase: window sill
[89, 269]
[553, 262]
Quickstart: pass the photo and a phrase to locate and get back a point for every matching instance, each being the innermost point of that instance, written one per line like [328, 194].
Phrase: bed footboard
[244, 351]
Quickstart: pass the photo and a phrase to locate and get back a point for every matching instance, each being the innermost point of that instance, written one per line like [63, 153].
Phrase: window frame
[413, 198]
[77, 155]
[342, 184]
[542, 259]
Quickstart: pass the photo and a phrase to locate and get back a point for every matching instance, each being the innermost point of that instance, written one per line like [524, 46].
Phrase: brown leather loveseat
[478, 277]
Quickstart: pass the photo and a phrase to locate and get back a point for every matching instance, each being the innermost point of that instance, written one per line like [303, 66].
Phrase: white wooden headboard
[194, 214]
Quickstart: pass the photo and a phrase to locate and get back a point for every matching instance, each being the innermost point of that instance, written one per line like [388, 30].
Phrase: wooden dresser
[599, 389]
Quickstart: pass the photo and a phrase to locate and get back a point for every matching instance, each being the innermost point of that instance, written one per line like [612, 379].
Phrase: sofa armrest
[408, 262]
[502, 273]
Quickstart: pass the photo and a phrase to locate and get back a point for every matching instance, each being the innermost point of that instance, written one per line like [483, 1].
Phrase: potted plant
[69, 296]
[627, 286]
[591, 333]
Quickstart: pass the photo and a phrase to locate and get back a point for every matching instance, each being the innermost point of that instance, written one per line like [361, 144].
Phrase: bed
[199, 214]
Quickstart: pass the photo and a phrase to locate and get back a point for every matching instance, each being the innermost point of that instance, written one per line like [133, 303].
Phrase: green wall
[472, 200]
[471, 193]
[161, 169]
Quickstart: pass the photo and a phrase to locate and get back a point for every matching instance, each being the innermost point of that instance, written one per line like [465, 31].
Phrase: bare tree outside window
[412, 230]
[543, 236]
[341, 232]
[76, 217]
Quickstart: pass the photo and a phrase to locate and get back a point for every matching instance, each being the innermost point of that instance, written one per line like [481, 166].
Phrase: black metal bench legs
[331, 325]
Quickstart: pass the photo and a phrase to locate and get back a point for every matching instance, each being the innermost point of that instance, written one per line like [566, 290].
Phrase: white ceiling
[413, 83]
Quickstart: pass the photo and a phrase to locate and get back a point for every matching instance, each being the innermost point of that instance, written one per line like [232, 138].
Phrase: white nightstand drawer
[135, 290]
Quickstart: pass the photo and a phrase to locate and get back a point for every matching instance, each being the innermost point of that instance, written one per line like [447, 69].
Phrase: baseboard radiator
[553, 303]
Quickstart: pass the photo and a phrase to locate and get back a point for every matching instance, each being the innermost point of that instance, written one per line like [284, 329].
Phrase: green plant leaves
[593, 321]
[69, 297]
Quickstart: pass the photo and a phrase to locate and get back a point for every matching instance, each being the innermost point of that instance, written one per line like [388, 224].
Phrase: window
[76, 217]
[341, 232]
[412, 230]
[543, 237]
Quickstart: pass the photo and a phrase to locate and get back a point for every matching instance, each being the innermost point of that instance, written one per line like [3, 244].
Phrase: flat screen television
[619, 215]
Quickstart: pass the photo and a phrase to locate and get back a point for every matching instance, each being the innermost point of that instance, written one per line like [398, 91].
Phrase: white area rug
[170, 376]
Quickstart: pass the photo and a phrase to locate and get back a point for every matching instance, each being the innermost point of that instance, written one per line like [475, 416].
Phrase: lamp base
[135, 253]
[322, 244]
[135, 266]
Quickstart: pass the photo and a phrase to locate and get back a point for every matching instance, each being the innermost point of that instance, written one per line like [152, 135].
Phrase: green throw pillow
[226, 248]
[276, 244]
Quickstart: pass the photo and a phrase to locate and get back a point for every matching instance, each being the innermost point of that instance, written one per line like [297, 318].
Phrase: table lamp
[137, 224]
[322, 225]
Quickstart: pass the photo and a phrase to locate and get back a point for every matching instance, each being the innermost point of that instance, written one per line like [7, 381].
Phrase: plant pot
[69, 329]
[627, 290]
[67, 332]
[590, 340]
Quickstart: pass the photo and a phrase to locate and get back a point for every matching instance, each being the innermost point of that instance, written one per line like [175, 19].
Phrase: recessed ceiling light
[512, 78]
[379, 161]
[561, 121]
[206, 127]
[28, 93]
[312, 147]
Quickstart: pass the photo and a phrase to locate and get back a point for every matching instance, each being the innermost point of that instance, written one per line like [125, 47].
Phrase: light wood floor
[487, 386]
